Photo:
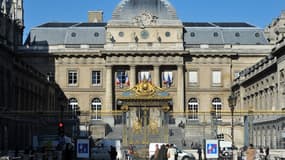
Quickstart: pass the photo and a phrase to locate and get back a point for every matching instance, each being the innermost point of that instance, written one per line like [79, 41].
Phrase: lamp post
[214, 126]
[232, 103]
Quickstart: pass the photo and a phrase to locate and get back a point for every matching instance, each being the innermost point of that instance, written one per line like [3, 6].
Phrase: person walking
[161, 153]
[130, 153]
[166, 151]
[156, 152]
[267, 153]
[199, 151]
[113, 153]
[250, 152]
[171, 152]
[261, 153]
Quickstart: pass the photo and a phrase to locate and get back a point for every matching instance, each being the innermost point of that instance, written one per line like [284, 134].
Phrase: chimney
[95, 16]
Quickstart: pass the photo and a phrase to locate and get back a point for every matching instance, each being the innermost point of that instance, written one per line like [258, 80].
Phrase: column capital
[156, 65]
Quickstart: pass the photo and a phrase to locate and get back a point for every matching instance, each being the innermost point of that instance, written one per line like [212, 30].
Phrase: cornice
[144, 52]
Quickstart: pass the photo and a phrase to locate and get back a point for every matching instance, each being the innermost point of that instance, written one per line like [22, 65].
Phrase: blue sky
[256, 12]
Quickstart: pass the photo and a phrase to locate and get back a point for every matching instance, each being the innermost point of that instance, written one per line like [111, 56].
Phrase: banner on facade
[82, 150]
[212, 148]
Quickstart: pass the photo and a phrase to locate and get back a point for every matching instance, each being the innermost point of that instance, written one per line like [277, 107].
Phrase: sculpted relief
[146, 18]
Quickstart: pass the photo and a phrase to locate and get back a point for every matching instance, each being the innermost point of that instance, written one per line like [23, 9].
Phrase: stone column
[275, 99]
[108, 103]
[108, 86]
[156, 75]
[274, 138]
[132, 75]
[180, 89]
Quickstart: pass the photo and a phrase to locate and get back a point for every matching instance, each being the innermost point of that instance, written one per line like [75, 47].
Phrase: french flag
[117, 81]
[127, 80]
[169, 80]
[164, 78]
[149, 78]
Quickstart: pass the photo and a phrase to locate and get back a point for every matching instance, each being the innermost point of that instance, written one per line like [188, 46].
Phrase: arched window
[217, 107]
[96, 107]
[73, 104]
[193, 109]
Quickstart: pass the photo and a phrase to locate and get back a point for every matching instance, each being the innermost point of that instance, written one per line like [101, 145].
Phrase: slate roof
[56, 33]
[223, 33]
[195, 33]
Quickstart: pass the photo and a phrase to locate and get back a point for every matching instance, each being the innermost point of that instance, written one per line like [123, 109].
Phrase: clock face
[144, 34]
[121, 34]
[167, 34]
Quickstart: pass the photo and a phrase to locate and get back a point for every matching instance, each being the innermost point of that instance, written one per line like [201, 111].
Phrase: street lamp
[232, 103]
[214, 123]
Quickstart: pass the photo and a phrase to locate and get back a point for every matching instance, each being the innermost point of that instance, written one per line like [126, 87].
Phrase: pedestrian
[165, 151]
[250, 152]
[156, 156]
[161, 153]
[266, 153]
[113, 153]
[171, 152]
[199, 151]
[130, 153]
[261, 150]
[68, 151]
[261, 153]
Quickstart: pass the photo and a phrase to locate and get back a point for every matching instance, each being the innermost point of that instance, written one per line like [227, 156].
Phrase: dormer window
[96, 34]
[237, 34]
[73, 34]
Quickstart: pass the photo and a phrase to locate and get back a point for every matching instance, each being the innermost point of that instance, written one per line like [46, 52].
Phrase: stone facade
[260, 91]
[275, 31]
[194, 62]
[25, 93]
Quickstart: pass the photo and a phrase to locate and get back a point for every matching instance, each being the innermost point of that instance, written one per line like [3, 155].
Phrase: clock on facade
[144, 34]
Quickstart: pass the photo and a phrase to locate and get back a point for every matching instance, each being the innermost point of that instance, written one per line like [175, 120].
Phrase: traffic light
[60, 128]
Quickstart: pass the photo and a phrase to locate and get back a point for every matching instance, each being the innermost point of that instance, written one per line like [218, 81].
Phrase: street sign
[82, 148]
[212, 148]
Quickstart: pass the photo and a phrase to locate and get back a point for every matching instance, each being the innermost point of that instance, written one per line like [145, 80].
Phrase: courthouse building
[95, 62]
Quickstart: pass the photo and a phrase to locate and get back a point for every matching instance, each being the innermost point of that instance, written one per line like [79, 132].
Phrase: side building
[275, 31]
[95, 62]
[260, 91]
[29, 102]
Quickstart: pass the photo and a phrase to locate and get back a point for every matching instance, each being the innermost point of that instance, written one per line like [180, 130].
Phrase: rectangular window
[96, 78]
[193, 77]
[216, 77]
[72, 77]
